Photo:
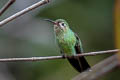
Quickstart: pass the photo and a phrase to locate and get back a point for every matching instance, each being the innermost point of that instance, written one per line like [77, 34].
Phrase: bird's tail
[79, 63]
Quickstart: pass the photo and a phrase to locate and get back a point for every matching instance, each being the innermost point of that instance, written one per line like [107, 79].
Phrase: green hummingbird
[69, 44]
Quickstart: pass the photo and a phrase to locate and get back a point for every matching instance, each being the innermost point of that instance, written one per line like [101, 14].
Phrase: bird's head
[60, 25]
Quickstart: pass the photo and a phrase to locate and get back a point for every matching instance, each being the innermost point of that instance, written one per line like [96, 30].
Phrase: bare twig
[100, 52]
[6, 6]
[40, 3]
[99, 69]
[57, 57]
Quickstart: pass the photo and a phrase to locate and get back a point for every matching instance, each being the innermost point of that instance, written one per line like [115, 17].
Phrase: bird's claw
[64, 55]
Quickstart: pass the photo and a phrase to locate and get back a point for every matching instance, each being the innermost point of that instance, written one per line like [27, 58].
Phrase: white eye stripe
[62, 25]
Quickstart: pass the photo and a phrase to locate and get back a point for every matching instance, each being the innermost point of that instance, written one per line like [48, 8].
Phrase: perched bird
[69, 44]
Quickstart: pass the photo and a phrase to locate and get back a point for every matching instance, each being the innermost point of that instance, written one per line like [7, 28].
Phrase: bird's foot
[64, 55]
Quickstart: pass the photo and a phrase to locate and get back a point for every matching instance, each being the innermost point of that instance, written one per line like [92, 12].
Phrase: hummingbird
[69, 44]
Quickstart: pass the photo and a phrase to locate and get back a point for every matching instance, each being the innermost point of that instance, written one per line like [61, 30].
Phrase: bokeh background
[29, 35]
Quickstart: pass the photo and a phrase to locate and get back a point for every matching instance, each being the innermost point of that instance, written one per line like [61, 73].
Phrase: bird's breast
[67, 43]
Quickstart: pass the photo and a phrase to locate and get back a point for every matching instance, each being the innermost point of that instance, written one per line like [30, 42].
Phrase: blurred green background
[29, 36]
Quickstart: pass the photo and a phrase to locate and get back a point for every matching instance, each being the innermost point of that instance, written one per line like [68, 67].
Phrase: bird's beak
[49, 20]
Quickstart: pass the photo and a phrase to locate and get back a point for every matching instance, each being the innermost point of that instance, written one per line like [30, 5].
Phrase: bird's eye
[62, 24]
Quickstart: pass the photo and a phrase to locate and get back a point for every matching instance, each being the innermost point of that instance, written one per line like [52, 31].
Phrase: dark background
[29, 35]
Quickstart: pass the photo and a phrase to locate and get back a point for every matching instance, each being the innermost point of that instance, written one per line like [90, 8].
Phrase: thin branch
[6, 6]
[99, 69]
[57, 57]
[99, 52]
[40, 3]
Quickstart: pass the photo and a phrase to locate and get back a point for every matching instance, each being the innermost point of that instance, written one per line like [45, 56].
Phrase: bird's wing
[79, 63]
[78, 45]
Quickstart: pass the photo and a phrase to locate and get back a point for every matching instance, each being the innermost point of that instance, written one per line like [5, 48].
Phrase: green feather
[66, 38]
[69, 44]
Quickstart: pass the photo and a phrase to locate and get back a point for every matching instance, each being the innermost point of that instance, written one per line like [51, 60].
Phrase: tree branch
[57, 57]
[99, 69]
[6, 6]
[40, 3]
